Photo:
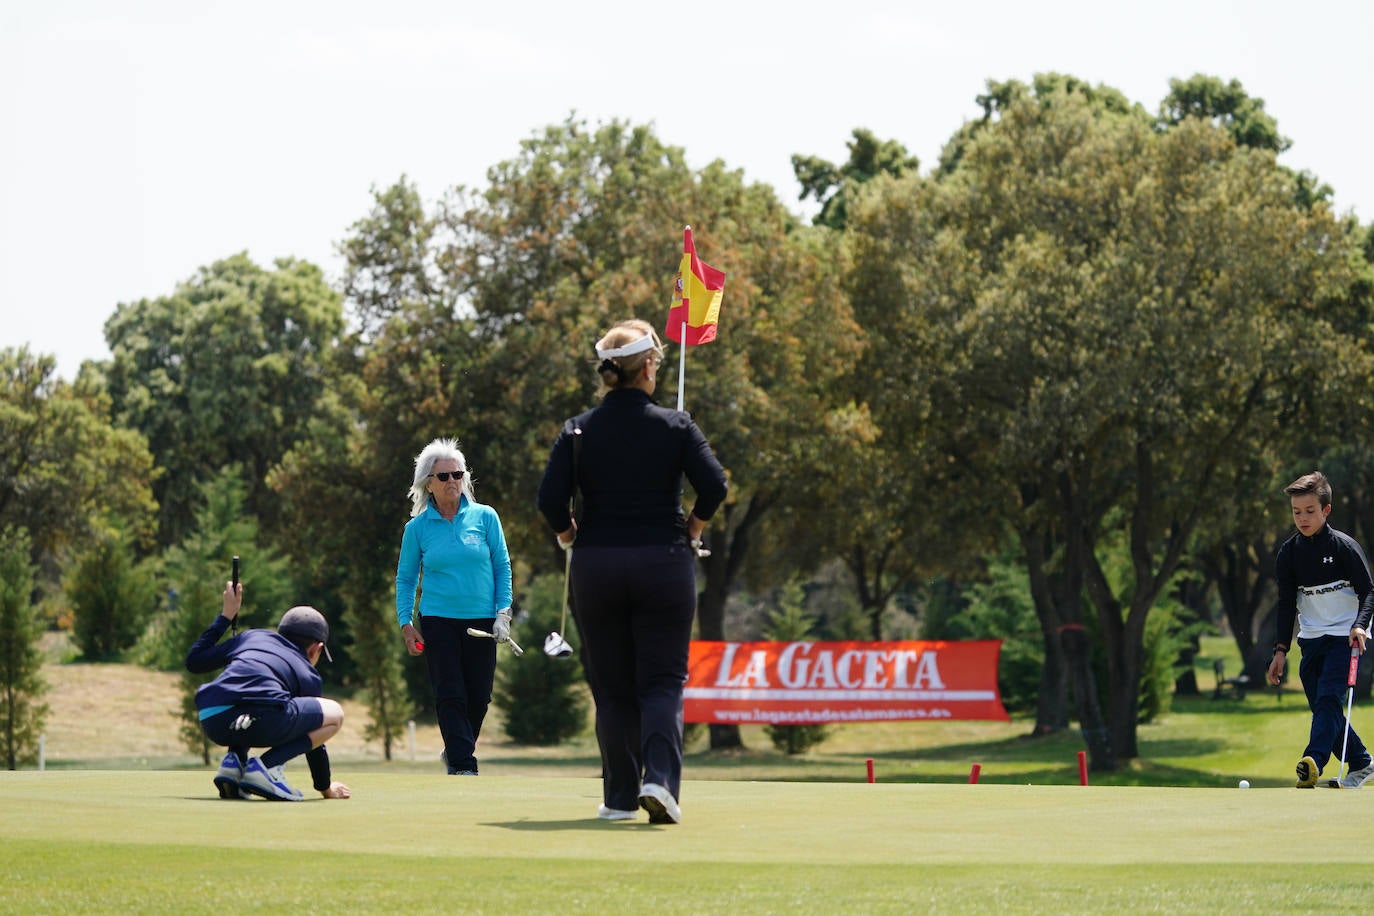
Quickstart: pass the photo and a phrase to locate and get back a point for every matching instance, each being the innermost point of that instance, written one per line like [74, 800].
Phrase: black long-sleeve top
[630, 466]
[1324, 583]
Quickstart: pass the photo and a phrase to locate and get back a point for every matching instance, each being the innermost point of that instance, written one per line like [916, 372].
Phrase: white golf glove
[501, 629]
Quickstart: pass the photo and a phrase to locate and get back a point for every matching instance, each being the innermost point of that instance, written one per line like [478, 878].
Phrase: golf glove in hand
[700, 547]
[501, 629]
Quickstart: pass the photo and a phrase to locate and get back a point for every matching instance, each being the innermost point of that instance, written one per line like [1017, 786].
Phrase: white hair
[438, 450]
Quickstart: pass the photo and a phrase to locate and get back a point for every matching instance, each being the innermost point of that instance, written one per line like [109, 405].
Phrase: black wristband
[320, 777]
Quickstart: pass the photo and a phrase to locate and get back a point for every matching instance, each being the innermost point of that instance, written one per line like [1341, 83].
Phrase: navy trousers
[461, 671]
[634, 607]
[1325, 670]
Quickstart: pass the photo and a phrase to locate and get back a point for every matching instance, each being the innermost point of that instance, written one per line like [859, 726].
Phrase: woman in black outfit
[634, 568]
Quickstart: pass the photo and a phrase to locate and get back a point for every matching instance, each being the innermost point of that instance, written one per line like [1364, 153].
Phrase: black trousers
[634, 607]
[461, 670]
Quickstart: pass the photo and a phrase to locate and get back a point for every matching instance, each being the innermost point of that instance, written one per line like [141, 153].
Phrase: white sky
[141, 140]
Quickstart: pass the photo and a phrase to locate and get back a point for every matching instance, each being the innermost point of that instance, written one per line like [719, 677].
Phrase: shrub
[21, 684]
[543, 698]
[789, 623]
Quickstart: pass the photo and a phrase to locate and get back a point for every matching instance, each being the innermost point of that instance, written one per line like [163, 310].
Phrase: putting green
[757, 822]
[75, 838]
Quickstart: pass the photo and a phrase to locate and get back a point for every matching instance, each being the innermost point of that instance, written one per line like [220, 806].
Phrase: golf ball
[1245, 783]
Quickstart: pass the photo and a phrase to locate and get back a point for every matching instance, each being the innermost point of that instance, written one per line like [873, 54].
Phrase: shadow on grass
[1252, 705]
[590, 824]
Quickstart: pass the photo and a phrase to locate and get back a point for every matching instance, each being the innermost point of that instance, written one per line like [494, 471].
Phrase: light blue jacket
[465, 564]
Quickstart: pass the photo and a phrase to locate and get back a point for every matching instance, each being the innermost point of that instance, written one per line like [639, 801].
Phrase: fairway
[86, 841]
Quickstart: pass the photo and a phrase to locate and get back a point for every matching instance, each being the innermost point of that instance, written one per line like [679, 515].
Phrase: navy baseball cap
[306, 623]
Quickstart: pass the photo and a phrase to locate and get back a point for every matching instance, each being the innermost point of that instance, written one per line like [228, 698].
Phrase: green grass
[97, 841]
[763, 832]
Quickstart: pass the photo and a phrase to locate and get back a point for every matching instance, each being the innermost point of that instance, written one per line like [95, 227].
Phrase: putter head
[555, 646]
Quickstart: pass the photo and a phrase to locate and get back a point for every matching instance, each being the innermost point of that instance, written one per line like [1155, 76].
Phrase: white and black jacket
[1324, 582]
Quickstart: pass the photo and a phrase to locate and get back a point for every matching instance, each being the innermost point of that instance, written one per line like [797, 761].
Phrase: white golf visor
[630, 349]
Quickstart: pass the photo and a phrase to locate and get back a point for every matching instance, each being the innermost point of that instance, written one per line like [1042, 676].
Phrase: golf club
[514, 647]
[555, 646]
[234, 624]
[1349, 707]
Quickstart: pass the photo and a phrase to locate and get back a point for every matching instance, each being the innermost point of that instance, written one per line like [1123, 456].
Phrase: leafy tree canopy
[67, 470]
[226, 370]
[831, 185]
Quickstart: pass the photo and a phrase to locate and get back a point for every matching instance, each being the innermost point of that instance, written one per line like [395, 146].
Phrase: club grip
[1354, 667]
[235, 575]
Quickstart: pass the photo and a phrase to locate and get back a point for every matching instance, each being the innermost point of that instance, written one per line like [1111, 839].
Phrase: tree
[195, 573]
[832, 186]
[389, 257]
[343, 492]
[560, 245]
[21, 681]
[227, 370]
[67, 471]
[542, 697]
[789, 622]
[1113, 317]
[1225, 104]
[111, 594]
[373, 644]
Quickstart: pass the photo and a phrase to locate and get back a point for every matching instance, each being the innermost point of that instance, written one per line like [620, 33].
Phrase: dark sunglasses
[445, 475]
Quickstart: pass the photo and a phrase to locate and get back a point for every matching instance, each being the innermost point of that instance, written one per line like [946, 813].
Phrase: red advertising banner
[808, 683]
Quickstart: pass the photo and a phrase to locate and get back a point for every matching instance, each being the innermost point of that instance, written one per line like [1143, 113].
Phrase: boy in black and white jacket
[1324, 582]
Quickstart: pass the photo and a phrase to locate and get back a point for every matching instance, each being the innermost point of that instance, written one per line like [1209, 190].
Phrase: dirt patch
[103, 711]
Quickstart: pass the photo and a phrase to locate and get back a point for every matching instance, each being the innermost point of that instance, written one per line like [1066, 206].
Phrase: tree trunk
[1080, 569]
[1244, 576]
[1059, 607]
[1078, 661]
[1052, 703]
[1191, 595]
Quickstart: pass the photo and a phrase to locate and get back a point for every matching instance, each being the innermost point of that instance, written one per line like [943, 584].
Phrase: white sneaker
[229, 775]
[660, 804]
[267, 782]
[1356, 778]
[616, 814]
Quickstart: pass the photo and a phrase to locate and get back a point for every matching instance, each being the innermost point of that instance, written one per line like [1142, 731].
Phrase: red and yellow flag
[696, 297]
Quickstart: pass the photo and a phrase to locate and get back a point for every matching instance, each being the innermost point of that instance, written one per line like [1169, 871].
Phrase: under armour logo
[1328, 559]
[242, 723]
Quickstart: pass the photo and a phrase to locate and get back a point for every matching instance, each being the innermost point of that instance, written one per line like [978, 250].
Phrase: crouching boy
[267, 696]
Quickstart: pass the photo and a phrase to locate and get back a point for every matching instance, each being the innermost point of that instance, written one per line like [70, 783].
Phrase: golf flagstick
[682, 366]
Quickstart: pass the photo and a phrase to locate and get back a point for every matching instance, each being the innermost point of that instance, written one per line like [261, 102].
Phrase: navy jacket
[260, 666]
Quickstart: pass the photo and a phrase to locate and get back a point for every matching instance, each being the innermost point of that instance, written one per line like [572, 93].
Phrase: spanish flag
[696, 297]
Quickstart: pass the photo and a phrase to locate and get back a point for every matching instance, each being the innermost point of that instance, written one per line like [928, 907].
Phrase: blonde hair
[619, 371]
[438, 450]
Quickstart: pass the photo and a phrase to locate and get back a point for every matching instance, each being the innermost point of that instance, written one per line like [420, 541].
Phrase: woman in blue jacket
[454, 551]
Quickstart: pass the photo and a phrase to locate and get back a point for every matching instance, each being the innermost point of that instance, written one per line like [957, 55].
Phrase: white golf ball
[1245, 783]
